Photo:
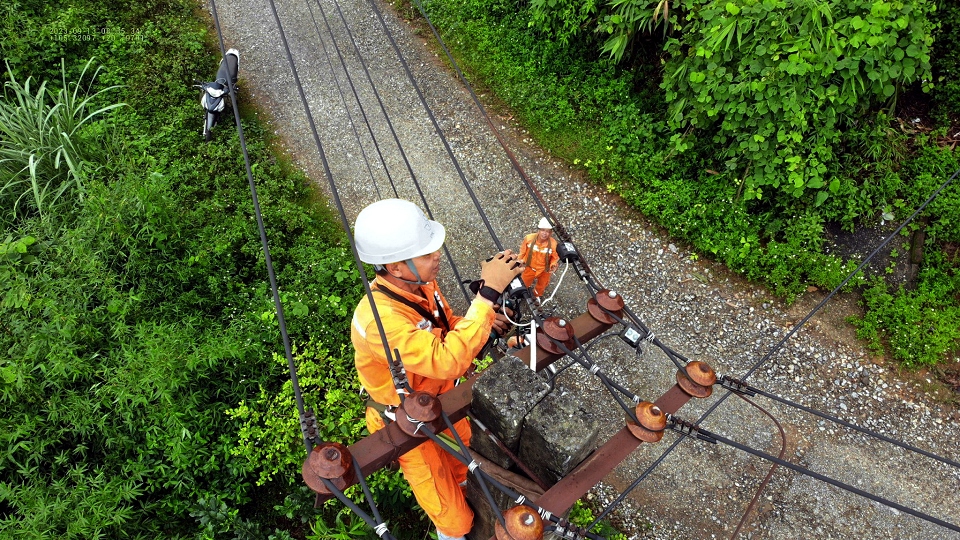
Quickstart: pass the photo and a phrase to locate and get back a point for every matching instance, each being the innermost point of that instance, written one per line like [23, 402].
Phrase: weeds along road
[697, 308]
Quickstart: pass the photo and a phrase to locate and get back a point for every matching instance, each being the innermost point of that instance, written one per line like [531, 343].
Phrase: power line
[701, 434]
[278, 305]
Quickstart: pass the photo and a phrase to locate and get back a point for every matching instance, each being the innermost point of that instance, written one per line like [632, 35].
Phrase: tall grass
[45, 148]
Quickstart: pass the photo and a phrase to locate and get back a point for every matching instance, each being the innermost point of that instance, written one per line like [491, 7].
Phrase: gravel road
[698, 308]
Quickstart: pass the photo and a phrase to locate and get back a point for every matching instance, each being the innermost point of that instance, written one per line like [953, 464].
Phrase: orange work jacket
[540, 256]
[433, 359]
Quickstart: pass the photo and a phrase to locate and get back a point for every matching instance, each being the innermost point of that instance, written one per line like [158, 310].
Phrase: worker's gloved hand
[500, 270]
[501, 324]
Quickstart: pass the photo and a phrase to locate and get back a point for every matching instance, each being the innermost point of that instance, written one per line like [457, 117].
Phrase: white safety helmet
[394, 230]
[544, 224]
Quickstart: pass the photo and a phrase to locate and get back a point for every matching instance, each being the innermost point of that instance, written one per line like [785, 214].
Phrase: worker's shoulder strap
[443, 323]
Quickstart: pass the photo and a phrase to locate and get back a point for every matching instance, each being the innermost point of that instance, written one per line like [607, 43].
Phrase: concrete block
[557, 435]
[502, 396]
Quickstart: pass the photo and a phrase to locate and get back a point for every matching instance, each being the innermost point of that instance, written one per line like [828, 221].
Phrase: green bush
[777, 82]
[135, 317]
[918, 327]
[945, 63]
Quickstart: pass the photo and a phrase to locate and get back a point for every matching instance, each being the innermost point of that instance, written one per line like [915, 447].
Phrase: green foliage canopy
[777, 81]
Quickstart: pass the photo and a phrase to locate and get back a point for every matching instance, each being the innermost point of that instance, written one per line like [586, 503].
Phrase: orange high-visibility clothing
[540, 258]
[433, 359]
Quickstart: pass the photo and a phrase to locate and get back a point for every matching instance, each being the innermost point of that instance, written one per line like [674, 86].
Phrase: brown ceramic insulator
[651, 417]
[522, 523]
[604, 302]
[548, 344]
[691, 387]
[331, 461]
[701, 373]
[555, 329]
[610, 300]
[558, 329]
[421, 407]
[643, 433]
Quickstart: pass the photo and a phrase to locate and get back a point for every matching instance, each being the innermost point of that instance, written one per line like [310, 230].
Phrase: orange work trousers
[538, 279]
[435, 477]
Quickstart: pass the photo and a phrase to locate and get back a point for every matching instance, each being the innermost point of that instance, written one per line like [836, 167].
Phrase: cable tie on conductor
[473, 465]
[594, 369]
[381, 529]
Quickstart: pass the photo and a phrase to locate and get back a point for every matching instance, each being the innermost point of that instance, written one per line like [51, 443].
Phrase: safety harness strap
[442, 323]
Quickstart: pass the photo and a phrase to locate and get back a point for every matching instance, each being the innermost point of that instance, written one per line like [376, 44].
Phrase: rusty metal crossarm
[377, 450]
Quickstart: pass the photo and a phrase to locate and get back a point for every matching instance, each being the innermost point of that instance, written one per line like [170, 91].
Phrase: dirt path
[698, 308]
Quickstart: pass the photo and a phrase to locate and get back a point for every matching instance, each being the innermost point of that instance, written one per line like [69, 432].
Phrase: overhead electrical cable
[383, 111]
[274, 288]
[750, 390]
[794, 330]
[531, 187]
[701, 434]
[773, 468]
[343, 99]
[436, 126]
[391, 359]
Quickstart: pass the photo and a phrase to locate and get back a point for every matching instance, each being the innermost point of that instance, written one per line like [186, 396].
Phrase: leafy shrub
[918, 327]
[134, 320]
[779, 80]
[946, 64]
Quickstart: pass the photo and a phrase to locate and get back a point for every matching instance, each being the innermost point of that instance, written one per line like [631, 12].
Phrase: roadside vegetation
[758, 131]
[142, 381]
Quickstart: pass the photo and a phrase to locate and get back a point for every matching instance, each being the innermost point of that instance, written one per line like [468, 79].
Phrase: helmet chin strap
[416, 274]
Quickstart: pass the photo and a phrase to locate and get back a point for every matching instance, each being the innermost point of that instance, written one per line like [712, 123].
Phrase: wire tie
[520, 499]
[636, 399]
[473, 465]
[594, 369]
[649, 337]
[381, 529]
[418, 423]
[545, 514]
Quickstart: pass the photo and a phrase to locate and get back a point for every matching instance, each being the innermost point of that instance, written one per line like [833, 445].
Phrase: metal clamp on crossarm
[688, 428]
[633, 336]
[736, 385]
[308, 425]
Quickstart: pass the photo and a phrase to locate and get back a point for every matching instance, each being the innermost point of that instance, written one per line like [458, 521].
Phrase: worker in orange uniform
[538, 251]
[435, 346]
